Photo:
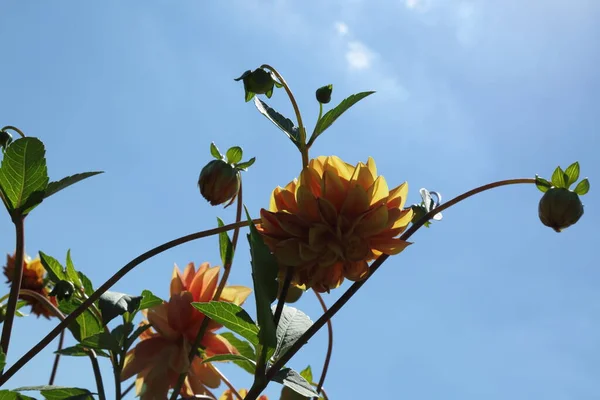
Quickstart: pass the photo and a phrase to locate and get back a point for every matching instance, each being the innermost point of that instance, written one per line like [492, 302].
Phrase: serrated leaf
[55, 270]
[246, 164]
[214, 151]
[558, 178]
[582, 187]
[292, 324]
[85, 325]
[59, 392]
[283, 123]
[264, 276]
[295, 381]
[72, 274]
[113, 304]
[572, 173]
[542, 184]
[23, 175]
[245, 349]
[101, 340]
[225, 245]
[333, 114]
[234, 154]
[232, 317]
[227, 357]
[79, 351]
[57, 186]
[306, 373]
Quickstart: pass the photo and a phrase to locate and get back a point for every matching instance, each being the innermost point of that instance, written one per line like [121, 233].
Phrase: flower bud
[324, 94]
[560, 208]
[5, 139]
[258, 81]
[219, 182]
[63, 290]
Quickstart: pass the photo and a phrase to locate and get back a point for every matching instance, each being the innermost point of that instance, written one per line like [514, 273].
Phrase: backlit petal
[235, 294]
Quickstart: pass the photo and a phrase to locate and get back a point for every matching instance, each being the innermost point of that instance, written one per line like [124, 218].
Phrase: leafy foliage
[232, 317]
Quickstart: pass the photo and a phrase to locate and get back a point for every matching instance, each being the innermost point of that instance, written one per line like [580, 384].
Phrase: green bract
[560, 208]
[258, 81]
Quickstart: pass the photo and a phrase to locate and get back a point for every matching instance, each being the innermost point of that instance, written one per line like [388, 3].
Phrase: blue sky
[488, 303]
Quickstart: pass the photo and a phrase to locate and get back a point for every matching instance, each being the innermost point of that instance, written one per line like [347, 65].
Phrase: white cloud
[341, 28]
[359, 56]
[418, 5]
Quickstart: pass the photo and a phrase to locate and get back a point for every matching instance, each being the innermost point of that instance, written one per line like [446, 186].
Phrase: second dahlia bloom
[162, 354]
[34, 280]
[334, 220]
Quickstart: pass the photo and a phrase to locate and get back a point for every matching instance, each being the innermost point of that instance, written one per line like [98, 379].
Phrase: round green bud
[324, 94]
[560, 208]
[259, 81]
[5, 139]
[219, 182]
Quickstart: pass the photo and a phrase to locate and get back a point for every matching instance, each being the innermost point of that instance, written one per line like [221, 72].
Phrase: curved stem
[228, 384]
[302, 145]
[11, 306]
[61, 341]
[284, 292]
[310, 332]
[97, 374]
[329, 345]
[226, 271]
[107, 285]
[13, 128]
[313, 136]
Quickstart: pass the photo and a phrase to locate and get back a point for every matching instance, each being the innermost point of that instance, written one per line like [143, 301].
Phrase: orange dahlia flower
[228, 395]
[33, 279]
[333, 221]
[162, 354]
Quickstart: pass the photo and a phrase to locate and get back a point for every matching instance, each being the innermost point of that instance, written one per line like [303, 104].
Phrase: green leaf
[290, 378]
[234, 155]
[60, 392]
[55, 271]
[246, 164]
[572, 173]
[80, 351]
[558, 178]
[2, 360]
[214, 151]
[149, 300]
[23, 175]
[228, 357]
[120, 333]
[292, 324]
[85, 325]
[138, 331]
[87, 284]
[582, 187]
[306, 373]
[10, 395]
[112, 304]
[245, 349]
[283, 123]
[542, 184]
[232, 317]
[71, 272]
[264, 276]
[102, 340]
[333, 114]
[225, 245]
[57, 186]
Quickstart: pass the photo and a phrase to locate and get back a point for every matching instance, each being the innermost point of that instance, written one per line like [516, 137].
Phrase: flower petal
[159, 319]
[204, 284]
[235, 294]
[216, 344]
[177, 285]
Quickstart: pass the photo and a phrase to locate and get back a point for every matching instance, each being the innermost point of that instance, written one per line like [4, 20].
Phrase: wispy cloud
[359, 56]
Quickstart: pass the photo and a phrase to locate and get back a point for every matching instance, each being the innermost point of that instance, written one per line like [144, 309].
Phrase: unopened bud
[63, 290]
[324, 94]
[560, 208]
[219, 182]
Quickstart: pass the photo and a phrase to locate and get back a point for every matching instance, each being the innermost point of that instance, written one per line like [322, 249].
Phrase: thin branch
[229, 385]
[107, 285]
[329, 345]
[61, 341]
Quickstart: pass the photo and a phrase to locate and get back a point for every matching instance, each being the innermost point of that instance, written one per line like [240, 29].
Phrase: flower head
[33, 279]
[162, 354]
[333, 221]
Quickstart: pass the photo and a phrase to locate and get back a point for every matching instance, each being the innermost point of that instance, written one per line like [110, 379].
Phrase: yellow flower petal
[235, 294]
[378, 191]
